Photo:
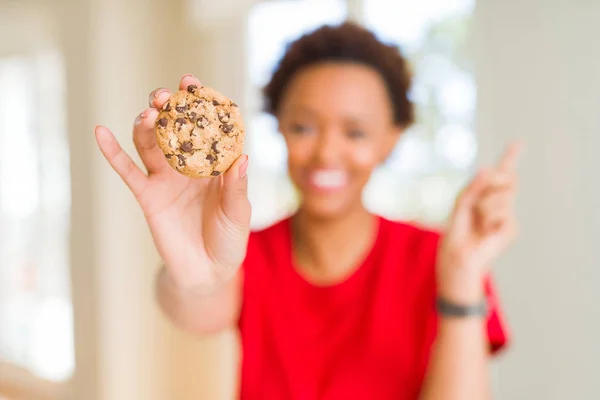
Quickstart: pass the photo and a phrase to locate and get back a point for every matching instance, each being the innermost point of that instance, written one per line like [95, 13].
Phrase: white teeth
[331, 179]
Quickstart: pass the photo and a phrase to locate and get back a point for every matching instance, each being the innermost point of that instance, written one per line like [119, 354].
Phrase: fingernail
[159, 92]
[244, 167]
[140, 117]
[187, 75]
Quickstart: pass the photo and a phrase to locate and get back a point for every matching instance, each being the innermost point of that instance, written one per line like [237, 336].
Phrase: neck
[329, 250]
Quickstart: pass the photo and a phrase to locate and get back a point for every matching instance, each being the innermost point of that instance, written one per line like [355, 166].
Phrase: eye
[356, 134]
[301, 129]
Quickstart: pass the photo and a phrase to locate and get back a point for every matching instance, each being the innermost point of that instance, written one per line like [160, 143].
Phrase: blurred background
[77, 265]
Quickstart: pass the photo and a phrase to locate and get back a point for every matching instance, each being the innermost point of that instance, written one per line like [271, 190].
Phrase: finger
[188, 80]
[120, 161]
[499, 182]
[492, 210]
[502, 236]
[508, 162]
[470, 194]
[494, 200]
[235, 193]
[158, 98]
[493, 219]
[503, 227]
[145, 142]
[462, 213]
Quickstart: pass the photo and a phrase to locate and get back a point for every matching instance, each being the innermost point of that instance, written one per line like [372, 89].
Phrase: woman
[333, 302]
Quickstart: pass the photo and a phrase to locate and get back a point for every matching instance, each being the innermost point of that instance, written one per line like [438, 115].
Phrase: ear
[390, 140]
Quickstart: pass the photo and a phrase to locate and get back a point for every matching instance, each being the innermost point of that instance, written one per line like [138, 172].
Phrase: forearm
[458, 366]
[200, 310]
[480, 228]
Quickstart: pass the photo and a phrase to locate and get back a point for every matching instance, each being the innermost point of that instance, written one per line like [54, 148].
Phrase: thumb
[235, 193]
[467, 199]
[470, 194]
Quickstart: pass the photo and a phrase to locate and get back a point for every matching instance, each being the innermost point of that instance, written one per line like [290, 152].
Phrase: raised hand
[200, 226]
[481, 227]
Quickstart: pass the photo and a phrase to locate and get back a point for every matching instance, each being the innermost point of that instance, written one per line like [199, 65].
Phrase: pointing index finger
[510, 158]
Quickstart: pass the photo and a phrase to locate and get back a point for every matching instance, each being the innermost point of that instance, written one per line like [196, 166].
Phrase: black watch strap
[449, 309]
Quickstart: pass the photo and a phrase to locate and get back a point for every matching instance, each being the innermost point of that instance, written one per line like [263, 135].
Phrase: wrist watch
[449, 309]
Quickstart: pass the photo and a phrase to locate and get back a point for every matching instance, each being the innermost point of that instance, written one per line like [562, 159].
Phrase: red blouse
[368, 337]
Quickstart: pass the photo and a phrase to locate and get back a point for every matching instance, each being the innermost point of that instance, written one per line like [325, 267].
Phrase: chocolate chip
[179, 123]
[167, 106]
[181, 161]
[193, 116]
[163, 122]
[227, 128]
[216, 173]
[169, 155]
[211, 158]
[215, 103]
[192, 88]
[223, 116]
[180, 109]
[187, 146]
[213, 146]
[202, 122]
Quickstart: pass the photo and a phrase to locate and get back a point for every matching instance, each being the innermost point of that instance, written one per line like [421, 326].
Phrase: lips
[328, 179]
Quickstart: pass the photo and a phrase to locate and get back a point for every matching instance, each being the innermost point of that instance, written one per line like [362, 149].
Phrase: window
[35, 304]
[433, 159]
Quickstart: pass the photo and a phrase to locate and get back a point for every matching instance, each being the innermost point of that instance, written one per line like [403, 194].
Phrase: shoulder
[269, 241]
[407, 259]
[275, 230]
[411, 237]
[408, 251]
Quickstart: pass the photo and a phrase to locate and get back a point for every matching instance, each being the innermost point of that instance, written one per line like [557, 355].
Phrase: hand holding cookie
[194, 194]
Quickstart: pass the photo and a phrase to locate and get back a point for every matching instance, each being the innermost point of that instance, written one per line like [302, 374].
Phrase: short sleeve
[497, 329]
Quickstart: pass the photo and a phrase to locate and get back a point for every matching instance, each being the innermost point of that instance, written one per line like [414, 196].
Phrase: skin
[334, 117]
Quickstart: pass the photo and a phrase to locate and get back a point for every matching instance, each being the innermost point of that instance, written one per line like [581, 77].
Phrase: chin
[324, 208]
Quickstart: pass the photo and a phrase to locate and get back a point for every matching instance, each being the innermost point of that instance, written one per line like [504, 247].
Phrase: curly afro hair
[347, 42]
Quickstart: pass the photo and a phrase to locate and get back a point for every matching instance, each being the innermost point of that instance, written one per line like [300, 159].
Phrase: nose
[329, 147]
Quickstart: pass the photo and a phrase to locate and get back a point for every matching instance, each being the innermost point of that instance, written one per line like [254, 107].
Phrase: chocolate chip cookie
[200, 131]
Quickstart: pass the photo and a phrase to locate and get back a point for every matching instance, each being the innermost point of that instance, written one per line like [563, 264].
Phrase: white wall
[539, 79]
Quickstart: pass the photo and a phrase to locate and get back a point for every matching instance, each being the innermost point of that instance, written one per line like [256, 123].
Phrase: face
[337, 120]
